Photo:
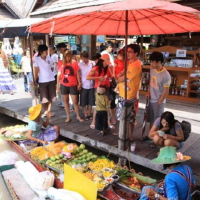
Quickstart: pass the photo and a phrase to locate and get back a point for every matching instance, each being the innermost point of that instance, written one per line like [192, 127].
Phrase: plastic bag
[8, 158]
[44, 181]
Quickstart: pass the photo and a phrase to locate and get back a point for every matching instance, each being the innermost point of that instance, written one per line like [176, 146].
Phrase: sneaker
[61, 105]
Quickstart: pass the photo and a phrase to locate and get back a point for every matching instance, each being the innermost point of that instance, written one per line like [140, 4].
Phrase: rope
[111, 150]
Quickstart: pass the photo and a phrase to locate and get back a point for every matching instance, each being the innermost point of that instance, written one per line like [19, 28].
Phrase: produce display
[17, 132]
[93, 176]
[133, 180]
[125, 194]
[71, 154]
[44, 152]
[100, 164]
[113, 181]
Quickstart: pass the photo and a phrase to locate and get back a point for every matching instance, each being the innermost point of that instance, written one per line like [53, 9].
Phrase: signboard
[77, 182]
[101, 38]
[181, 53]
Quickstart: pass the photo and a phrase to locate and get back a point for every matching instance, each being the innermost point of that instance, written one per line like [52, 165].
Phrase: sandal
[80, 119]
[102, 133]
[68, 120]
[92, 126]
[113, 122]
[111, 127]
[115, 133]
[86, 118]
[99, 133]
[90, 117]
[52, 114]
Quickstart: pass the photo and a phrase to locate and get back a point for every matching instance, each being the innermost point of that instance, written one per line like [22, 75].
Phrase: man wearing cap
[134, 71]
[177, 183]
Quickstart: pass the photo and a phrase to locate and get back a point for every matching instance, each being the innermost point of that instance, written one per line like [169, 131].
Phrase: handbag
[113, 83]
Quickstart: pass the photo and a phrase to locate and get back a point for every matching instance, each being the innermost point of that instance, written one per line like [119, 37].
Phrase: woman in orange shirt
[69, 82]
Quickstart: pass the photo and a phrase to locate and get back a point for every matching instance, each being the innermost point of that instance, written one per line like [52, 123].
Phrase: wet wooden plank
[190, 141]
[81, 132]
[193, 149]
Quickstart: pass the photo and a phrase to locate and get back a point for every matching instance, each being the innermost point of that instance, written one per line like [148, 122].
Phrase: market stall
[64, 165]
[181, 64]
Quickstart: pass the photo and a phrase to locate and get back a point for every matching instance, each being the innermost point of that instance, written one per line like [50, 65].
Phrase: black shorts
[87, 97]
[47, 92]
[101, 121]
[55, 79]
[112, 103]
[68, 90]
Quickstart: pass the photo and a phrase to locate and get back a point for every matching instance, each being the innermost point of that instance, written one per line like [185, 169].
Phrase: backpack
[186, 127]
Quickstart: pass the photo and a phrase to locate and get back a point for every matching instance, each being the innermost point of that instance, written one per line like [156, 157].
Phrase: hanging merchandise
[6, 46]
[17, 51]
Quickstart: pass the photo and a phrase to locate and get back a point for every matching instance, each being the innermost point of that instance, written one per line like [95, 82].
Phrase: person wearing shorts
[87, 99]
[69, 83]
[134, 71]
[35, 124]
[43, 66]
[160, 81]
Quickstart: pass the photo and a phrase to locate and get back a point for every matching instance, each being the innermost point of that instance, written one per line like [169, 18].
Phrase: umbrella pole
[123, 140]
[33, 90]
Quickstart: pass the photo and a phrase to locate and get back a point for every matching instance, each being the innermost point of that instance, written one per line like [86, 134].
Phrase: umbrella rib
[104, 21]
[177, 14]
[84, 16]
[119, 22]
[170, 20]
[136, 22]
[151, 21]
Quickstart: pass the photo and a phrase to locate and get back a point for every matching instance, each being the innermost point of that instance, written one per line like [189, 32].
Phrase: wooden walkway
[17, 106]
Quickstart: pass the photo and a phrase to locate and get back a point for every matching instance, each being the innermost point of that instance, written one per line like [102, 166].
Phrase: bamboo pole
[123, 126]
[34, 89]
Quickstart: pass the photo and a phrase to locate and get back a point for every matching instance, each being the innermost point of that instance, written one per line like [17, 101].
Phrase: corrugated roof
[5, 14]
[20, 8]
[60, 5]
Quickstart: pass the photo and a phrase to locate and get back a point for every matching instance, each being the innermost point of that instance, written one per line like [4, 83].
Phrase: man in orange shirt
[134, 71]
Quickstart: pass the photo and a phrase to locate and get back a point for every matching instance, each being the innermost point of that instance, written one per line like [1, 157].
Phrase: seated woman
[167, 131]
[36, 133]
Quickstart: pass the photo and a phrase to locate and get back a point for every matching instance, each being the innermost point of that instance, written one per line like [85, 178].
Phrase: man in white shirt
[109, 49]
[87, 99]
[43, 66]
[54, 57]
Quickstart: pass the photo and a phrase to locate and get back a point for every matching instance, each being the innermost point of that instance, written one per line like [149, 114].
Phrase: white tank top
[2, 67]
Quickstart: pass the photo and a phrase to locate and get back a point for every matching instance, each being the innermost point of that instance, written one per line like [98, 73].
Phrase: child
[102, 108]
[118, 69]
[36, 133]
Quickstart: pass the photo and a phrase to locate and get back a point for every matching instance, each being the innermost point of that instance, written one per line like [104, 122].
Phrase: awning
[16, 27]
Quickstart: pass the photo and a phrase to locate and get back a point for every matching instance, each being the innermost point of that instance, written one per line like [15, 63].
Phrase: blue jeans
[27, 80]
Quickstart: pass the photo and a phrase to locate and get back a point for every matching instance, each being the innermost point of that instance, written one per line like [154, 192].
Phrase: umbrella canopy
[151, 17]
[16, 27]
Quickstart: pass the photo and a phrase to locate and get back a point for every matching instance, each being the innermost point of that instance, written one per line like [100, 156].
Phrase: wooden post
[123, 141]
[33, 90]
[123, 126]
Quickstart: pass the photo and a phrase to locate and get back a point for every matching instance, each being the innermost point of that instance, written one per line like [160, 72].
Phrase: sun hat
[168, 155]
[34, 111]
[106, 58]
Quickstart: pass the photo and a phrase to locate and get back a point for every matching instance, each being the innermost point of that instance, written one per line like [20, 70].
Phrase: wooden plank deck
[17, 106]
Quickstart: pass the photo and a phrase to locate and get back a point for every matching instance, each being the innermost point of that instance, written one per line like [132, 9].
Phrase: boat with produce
[112, 180]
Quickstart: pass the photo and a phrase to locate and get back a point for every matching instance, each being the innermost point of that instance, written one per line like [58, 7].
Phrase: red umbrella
[144, 17]
[130, 17]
